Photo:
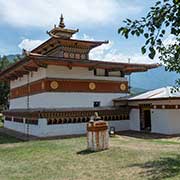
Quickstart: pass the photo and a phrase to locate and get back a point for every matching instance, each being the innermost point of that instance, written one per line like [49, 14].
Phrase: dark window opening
[97, 104]
[95, 72]
[106, 72]
[122, 74]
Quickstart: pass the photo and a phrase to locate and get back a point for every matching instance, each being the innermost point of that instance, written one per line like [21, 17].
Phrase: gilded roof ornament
[60, 31]
[61, 23]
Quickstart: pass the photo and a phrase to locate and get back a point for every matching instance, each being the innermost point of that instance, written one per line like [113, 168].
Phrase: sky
[23, 24]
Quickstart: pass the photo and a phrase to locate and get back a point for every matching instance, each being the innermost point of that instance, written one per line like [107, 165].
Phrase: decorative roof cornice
[32, 61]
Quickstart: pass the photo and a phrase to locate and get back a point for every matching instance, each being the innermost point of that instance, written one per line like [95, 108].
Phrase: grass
[67, 159]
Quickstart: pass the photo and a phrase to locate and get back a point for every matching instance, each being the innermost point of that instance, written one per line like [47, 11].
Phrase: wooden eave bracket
[22, 72]
[30, 68]
[40, 64]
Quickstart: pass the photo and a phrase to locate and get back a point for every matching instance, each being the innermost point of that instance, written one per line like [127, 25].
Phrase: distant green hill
[11, 57]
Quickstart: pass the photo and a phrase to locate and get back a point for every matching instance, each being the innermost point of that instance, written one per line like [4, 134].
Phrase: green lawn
[128, 158]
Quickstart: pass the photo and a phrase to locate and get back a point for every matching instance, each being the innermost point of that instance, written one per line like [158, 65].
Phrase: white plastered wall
[58, 100]
[77, 73]
[64, 100]
[165, 121]
[33, 76]
[62, 72]
[135, 120]
[30, 129]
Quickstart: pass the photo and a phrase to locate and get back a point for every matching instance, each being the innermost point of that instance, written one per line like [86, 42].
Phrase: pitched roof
[53, 42]
[161, 93]
[33, 61]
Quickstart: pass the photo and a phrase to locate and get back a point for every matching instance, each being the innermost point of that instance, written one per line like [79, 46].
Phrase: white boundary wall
[44, 130]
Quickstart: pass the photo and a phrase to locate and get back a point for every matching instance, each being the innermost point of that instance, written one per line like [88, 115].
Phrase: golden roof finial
[61, 23]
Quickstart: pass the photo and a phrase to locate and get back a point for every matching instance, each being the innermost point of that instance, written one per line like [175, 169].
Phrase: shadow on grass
[145, 135]
[86, 152]
[5, 139]
[166, 167]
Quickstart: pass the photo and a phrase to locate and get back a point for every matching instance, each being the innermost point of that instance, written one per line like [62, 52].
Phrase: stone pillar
[97, 135]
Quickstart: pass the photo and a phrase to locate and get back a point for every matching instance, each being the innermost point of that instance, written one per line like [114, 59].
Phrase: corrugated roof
[164, 92]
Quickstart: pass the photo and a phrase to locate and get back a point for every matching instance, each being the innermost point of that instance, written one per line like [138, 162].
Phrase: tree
[4, 86]
[162, 19]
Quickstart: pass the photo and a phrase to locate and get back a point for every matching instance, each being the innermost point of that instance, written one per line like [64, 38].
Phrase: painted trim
[155, 99]
[166, 106]
[69, 85]
[162, 106]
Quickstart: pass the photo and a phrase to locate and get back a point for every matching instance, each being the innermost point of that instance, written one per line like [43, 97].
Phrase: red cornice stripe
[69, 85]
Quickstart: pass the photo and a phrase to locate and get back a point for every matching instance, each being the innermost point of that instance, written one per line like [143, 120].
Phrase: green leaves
[152, 52]
[143, 50]
[124, 31]
[157, 3]
[163, 31]
[153, 27]
[146, 35]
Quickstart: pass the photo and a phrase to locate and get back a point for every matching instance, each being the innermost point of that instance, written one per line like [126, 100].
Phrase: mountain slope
[11, 57]
[154, 78]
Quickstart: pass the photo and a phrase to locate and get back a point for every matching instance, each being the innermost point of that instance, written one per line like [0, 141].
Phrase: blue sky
[24, 24]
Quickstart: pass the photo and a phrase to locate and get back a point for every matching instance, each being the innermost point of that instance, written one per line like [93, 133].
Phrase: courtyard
[131, 156]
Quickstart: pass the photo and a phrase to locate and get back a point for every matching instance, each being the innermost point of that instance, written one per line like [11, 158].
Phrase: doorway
[145, 119]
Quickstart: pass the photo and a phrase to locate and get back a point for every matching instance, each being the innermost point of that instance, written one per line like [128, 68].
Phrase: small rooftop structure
[60, 31]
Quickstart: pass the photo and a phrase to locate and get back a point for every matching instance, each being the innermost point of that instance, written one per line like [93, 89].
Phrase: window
[106, 72]
[97, 103]
[95, 72]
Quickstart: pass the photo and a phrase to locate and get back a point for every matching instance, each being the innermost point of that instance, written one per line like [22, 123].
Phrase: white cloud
[171, 39]
[29, 44]
[108, 53]
[45, 12]
[101, 51]
[83, 37]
